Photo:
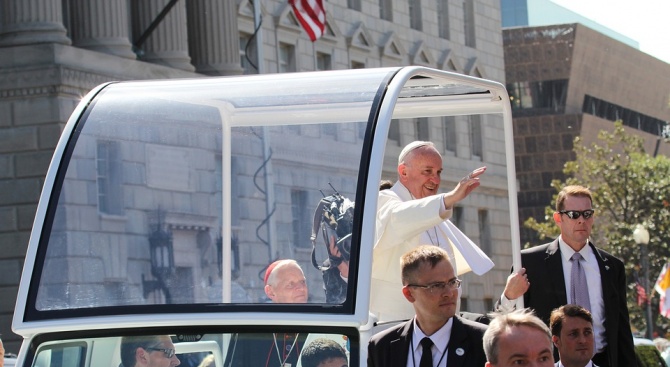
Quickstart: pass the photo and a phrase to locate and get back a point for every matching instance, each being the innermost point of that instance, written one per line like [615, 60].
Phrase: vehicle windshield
[185, 193]
[211, 349]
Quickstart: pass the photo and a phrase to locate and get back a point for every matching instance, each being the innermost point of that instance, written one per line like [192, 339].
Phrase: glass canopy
[170, 207]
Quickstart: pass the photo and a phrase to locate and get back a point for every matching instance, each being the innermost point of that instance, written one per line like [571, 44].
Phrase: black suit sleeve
[625, 348]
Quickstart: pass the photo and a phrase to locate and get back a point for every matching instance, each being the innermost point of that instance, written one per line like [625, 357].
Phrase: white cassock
[402, 224]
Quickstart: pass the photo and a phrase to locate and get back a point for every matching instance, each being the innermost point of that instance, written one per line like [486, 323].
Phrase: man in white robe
[413, 213]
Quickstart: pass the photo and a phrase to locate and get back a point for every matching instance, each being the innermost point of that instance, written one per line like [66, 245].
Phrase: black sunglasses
[168, 352]
[574, 214]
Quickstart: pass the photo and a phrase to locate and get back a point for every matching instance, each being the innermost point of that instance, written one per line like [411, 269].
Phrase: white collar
[440, 338]
[567, 251]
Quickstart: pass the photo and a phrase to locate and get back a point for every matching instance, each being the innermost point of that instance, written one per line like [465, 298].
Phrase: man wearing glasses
[571, 270]
[148, 351]
[435, 336]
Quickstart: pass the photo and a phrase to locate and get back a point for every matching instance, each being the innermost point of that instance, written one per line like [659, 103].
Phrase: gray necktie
[579, 291]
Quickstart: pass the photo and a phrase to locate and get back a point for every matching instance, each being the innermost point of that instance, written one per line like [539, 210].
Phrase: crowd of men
[569, 284]
[573, 291]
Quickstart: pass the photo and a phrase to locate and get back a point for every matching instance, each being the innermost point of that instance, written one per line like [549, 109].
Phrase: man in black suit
[545, 279]
[429, 283]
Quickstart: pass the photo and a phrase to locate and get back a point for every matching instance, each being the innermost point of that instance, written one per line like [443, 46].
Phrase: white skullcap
[411, 146]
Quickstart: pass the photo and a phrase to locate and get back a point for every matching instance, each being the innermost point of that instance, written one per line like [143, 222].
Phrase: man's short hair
[409, 148]
[411, 261]
[321, 350]
[572, 190]
[504, 321]
[385, 184]
[558, 315]
[129, 345]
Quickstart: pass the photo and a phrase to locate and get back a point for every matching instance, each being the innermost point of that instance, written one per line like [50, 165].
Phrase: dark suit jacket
[547, 291]
[390, 347]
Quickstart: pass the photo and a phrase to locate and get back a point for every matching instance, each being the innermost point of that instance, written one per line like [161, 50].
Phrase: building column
[213, 37]
[25, 22]
[168, 43]
[101, 25]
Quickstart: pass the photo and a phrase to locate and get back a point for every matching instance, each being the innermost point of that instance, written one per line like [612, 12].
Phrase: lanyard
[411, 346]
[285, 356]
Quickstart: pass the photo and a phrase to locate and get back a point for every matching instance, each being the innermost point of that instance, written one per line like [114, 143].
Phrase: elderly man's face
[420, 173]
[289, 286]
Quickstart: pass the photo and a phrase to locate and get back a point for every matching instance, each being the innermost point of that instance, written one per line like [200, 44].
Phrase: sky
[645, 21]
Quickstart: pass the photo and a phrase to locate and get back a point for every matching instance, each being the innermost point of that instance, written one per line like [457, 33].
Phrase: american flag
[312, 16]
[641, 294]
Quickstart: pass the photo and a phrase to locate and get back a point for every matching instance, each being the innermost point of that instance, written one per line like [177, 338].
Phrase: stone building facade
[568, 80]
[52, 52]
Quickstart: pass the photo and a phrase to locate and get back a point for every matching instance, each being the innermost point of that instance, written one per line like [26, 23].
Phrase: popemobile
[174, 210]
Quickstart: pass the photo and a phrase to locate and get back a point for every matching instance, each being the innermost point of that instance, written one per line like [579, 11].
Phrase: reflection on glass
[270, 349]
[141, 209]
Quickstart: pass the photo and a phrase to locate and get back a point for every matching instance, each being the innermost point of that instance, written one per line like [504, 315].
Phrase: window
[469, 23]
[476, 135]
[443, 18]
[354, 4]
[394, 131]
[329, 130]
[357, 65]
[634, 119]
[301, 218]
[548, 95]
[110, 190]
[457, 217]
[415, 15]
[488, 303]
[386, 10]
[449, 128]
[286, 58]
[422, 129]
[323, 61]
[247, 61]
[484, 231]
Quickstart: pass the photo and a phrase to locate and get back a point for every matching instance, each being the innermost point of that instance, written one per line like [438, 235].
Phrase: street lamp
[162, 262]
[641, 237]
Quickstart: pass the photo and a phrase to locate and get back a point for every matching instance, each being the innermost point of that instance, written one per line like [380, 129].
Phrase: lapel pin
[607, 267]
[460, 351]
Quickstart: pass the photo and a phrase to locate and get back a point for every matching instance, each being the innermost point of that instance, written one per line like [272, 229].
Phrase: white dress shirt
[440, 340]
[594, 283]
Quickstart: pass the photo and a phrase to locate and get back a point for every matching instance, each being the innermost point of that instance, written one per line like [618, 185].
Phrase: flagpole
[267, 152]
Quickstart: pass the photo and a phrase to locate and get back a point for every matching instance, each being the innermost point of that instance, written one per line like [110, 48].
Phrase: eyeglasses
[169, 353]
[574, 214]
[439, 286]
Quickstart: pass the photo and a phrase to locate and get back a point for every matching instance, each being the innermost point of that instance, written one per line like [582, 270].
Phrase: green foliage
[630, 187]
